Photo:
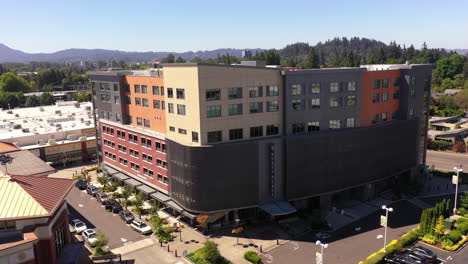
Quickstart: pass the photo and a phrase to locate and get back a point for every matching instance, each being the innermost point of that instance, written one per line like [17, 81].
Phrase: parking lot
[92, 213]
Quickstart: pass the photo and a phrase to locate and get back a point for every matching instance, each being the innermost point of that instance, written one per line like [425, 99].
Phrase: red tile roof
[48, 192]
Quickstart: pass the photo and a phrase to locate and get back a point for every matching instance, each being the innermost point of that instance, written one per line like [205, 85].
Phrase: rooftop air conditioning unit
[82, 138]
[41, 109]
[72, 137]
[51, 141]
[25, 130]
[9, 112]
[58, 111]
[16, 126]
[87, 122]
[88, 107]
[16, 115]
[77, 105]
[41, 141]
[25, 121]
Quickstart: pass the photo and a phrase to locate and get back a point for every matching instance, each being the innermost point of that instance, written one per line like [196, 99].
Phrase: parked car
[399, 258]
[418, 258]
[101, 197]
[76, 225]
[141, 227]
[422, 251]
[90, 236]
[113, 206]
[81, 184]
[126, 216]
[92, 190]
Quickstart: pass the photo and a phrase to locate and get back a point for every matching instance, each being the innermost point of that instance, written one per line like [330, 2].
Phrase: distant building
[246, 54]
[25, 162]
[447, 128]
[58, 96]
[452, 92]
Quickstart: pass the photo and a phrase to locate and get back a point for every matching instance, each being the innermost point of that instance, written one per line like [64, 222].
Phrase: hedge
[456, 246]
[252, 257]
[430, 239]
[454, 235]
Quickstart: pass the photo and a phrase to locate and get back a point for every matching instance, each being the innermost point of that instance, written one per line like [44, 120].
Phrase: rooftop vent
[51, 141]
[58, 111]
[41, 109]
[82, 138]
[16, 115]
[87, 122]
[77, 105]
[9, 112]
[25, 130]
[16, 126]
[88, 107]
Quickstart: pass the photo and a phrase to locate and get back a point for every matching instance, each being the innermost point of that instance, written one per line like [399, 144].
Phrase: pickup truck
[77, 226]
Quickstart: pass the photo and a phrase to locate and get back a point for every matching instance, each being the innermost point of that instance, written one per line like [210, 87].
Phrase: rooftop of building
[55, 93]
[31, 196]
[25, 163]
[63, 116]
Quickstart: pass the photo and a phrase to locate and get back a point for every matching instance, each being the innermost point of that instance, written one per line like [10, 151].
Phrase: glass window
[136, 88]
[297, 105]
[236, 134]
[335, 101]
[272, 130]
[213, 94]
[145, 102]
[162, 90]
[256, 91]
[272, 90]
[116, 99]
[313, 126]
[256, 107]
[144, 89]
[116, 87]
[235, 109]
[412, 91]
[383, 117]
[172, 129]
[156, 104]
[395, 114]
[147, 122]
[155, 90]
[376, 84]
[235, 93]
[273, 106]
[296, 89]
[170, 108]
[127, 87]
[298, 128]
[352, 86]
[396, 82]
[350, 100]
[315, 88]
[350, 122]
[375, 98]
[137, 101]
[411, 112]
[194, 136]
[180, 93]
[384, 96]
[375, 118]
[385, 83]
[139, 121]
[170, 93]
[315, 103]
[335, 124]
[180, 109]
[213, 111]
[334, 87]
[182, 131]
[215, 136]
[256, 131]
[396, 94]
[413, 80]
[128, 100]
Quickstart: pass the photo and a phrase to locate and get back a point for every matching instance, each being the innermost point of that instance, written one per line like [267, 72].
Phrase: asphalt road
[446, 160]
[92, 213]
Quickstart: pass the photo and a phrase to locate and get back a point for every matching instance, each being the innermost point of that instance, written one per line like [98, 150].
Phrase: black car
[400, 258]
[421, 251]
[126, 216]
[81, 184]
[418, 258]
[92, 190]
[113, 206]
[101, 197]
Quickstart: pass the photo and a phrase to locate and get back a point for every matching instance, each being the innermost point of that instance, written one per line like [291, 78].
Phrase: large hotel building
[242, 140]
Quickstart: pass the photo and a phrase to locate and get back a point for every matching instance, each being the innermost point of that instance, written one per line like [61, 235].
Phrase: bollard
[261, 249]
[160, 243]
[277, 241]
[175, 253]
[168, 249]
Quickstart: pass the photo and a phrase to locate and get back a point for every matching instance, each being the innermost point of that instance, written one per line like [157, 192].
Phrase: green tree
[440, 227]
[464, 200]
[126, 193]
[461, 100]
[180, 60]
[197, 59]
[311, 61]
[209, 252]
[46, 99]
[9, 82]
[138, 203]
[450, 66]
[169, 59]
[447, 83]
[32, 101]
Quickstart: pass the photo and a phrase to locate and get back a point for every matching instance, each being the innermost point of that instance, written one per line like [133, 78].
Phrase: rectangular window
[215, 136]
[298, 128]
[296, 89]
[213, 94]
[116, 99]
[236, 134]
[412, 91]
[350, 122]
[396, 94]
[256, 107]
[136, 88]
[395, 114]
[315, 103]
[411, 113]
[315, 88]
[383, 117]
[335, 101]
[272, 130]
[145, 102]
[156, 104]
[273, 106]
[385, 83]
[180, 109]
[352, 86]
[137, 101]
[155, 90]
[375, 118]
[128, 100]
[384, 96]
[170, 93]
[272, 90]
[180, 93]
[147, 122]
[376, 84]
[172, 129]
[170, 108]
[162, 90]
[313, 126]
[235, 93]
[116, 87]
[256, 131]
[144, 89]
[335, 124]
[195, 137]
[396, 82]
[350, 100]
[139, 121]
[298, 105]
[376, 98]
[256, 91]
[413, 80]
[163, 105]
[182, 131]
[235, 109]
[334, 87]
[213, 111]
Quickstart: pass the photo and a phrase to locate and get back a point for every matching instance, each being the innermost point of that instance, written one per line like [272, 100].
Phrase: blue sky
[177, 25]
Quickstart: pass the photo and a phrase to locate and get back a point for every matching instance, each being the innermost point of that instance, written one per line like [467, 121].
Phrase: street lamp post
[387, 209]
[237, 226]
[322, 246]
[458, 170]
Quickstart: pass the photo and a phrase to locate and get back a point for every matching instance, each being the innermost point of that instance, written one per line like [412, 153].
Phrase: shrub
[456, 246]
[208, 254]
[446, 242]
[462, 227]
[459, 146]
[454, 235]
[430, 239]
[162, 235]
[441, 144]
[252, 257]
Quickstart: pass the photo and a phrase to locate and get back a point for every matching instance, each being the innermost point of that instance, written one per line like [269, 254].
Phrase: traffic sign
[455, 179]
[383, 220]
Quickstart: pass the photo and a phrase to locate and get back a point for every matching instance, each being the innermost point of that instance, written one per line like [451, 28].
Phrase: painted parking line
[441, 260]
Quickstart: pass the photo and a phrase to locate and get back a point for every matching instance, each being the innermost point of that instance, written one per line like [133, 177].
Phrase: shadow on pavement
[75, 214]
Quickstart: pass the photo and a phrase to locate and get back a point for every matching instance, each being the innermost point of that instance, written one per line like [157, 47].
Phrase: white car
[89, 236]
[141, 227]
[77, 226]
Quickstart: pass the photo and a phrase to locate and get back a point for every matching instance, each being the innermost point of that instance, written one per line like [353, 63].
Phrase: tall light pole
[458, 170]
[387, 209]
[322, 246]
[237, 227]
